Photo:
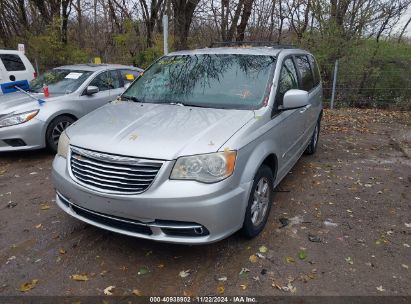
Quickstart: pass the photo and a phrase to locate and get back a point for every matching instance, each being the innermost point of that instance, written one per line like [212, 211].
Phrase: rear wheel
[54, 130]
[259, 203]
[312, 146]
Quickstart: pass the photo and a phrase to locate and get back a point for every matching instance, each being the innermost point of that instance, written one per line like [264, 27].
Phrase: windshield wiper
[194, 105]
[132, 98]
[177, 104]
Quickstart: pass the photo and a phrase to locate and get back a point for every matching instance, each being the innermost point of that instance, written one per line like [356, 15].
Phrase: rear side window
[316, 71]
[303, 65]
[107, 80]
[129, 76]
[12, 62]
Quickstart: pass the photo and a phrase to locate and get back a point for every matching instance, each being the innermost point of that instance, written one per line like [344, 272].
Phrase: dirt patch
[345, 217]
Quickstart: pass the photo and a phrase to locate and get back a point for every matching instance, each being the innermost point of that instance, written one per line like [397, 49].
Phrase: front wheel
[259, 203]
[54, 130]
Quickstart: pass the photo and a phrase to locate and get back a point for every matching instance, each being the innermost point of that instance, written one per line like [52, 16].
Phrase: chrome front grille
[112, 173]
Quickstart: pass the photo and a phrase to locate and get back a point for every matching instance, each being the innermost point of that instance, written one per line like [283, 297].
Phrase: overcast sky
[402, 22]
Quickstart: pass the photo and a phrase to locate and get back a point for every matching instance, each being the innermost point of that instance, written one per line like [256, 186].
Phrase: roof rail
[252, 43]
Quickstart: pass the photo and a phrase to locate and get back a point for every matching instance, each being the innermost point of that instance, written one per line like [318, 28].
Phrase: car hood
[19, 102]
[156, 131]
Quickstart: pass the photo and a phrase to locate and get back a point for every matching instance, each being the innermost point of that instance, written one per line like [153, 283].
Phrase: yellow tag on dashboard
[130, 77]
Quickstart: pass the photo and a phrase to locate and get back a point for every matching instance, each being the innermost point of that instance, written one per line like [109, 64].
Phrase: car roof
[14, 52]
[245, 50]
[97, 67]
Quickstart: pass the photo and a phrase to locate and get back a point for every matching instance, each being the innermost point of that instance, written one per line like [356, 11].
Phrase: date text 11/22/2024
[204, 299]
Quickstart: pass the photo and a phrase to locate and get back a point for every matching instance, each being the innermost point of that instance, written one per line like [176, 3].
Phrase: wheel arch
[264, 154]
[51, 119]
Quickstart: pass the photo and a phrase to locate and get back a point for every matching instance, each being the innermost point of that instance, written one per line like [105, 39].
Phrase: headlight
[63, 145]
[16, 119]
[207, 168]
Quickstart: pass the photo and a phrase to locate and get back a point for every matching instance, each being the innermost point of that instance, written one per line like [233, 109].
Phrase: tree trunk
[403, 30]
[183, 16]
[245, 16]
[65, 12]
[234, 22]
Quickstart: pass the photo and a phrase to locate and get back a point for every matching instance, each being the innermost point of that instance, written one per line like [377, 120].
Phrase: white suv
[15, 69]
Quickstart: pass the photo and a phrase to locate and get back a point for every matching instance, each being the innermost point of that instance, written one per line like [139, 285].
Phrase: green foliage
[145, 58]
[370, 73]
[50, 52]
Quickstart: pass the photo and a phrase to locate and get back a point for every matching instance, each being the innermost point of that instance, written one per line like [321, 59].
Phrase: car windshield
[59, 81]
[206, 80]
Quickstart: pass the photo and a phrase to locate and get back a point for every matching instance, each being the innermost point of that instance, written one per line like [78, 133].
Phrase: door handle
[305, 108]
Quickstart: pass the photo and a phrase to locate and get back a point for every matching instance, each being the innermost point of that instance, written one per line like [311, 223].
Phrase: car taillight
[35, 75]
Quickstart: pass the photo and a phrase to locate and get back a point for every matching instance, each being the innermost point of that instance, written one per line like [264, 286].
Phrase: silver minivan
[193, 149]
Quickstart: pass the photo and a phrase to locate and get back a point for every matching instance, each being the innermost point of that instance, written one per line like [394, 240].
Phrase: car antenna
[40, 101]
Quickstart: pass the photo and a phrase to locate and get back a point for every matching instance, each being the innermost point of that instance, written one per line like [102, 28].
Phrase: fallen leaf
[222, 279]
[302, 255]
[349, 260]
[291, 288]
[28, 285]
[408, 225]
[290, 259]
[62, 251]
[220, 290]
[253, 258]
[406, 245]
[184, 273]
[79, 277]
[108, 290]
[263, 249]
[44, 207]
[38, 226]
[142, 271]
[243, 286]
[380, 288]
[244, 273]
[405, 266]
[136, 292]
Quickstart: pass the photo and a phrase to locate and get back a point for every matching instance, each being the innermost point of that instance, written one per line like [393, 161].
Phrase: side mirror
[91, 90]
[127, 85]
[294, 99]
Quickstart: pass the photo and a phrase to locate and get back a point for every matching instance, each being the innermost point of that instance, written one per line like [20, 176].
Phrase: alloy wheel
[260, 203]
[58, 129]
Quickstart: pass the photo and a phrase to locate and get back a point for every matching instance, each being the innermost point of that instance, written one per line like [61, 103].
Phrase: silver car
[33, 119]
[192, 151]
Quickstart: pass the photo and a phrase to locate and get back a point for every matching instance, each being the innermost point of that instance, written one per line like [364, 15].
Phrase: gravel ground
[346, 211]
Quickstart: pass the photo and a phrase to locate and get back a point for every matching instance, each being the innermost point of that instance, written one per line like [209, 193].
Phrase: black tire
[312, 146]
[54, 129]
[251, 226]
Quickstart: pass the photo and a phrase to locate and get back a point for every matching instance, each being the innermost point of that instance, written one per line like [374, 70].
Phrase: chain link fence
[379, 85]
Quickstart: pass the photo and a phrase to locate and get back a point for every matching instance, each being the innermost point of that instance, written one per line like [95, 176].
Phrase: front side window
[60, 81]
[206, 80]
[12, 62]
[288, 79]
[107, 80]
[303, 65]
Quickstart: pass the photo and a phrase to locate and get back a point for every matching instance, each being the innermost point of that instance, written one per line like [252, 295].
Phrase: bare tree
[150, 17]
[403, 30]
[183, 11]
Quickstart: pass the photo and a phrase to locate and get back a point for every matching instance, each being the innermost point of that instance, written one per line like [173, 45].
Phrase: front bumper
[215, 210]
[25, 136]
